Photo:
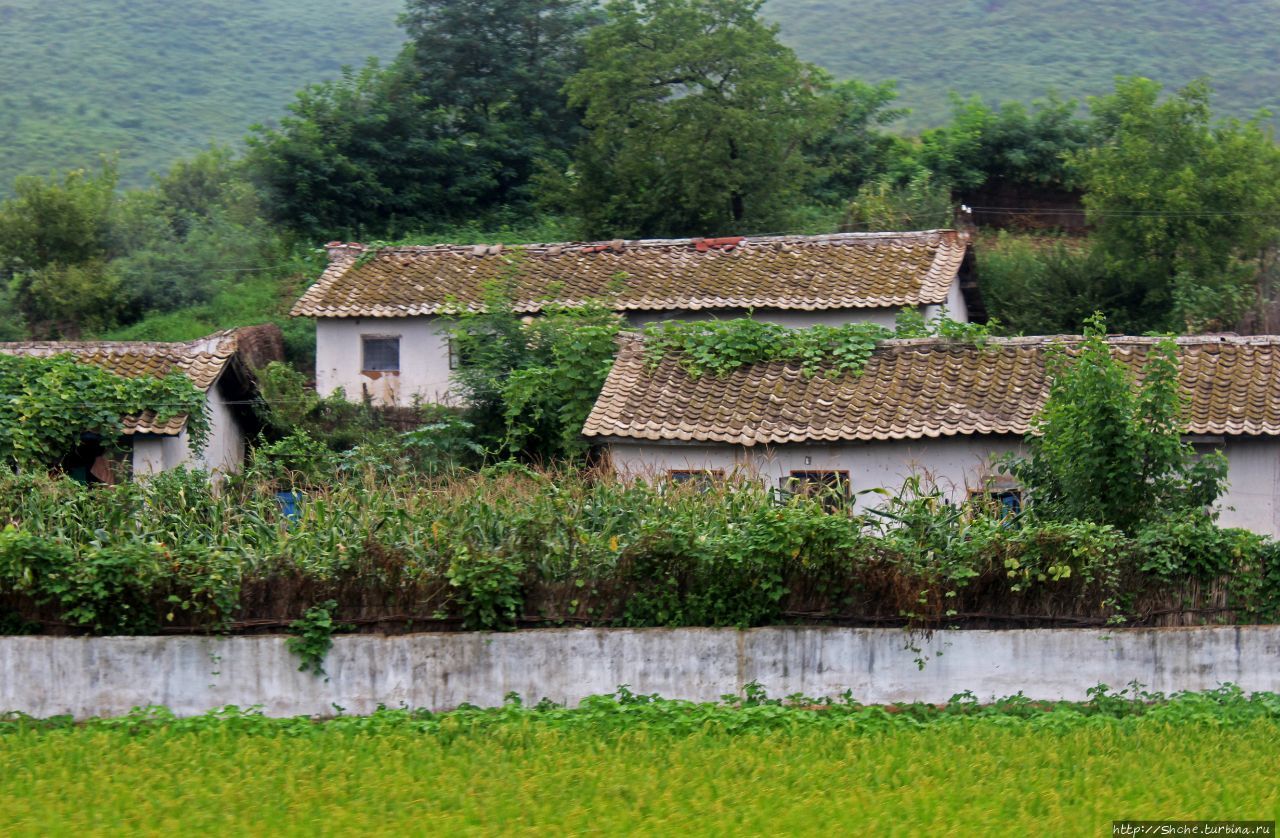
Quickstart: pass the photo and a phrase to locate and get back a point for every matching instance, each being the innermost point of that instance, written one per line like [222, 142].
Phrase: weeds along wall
[511, 547]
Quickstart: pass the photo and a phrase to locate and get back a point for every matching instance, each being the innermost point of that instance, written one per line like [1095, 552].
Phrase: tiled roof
[200, 360]
[912, 389]
[849, 270]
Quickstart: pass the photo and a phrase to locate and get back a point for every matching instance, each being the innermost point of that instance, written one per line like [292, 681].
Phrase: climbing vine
[48, 405]
[721, 346]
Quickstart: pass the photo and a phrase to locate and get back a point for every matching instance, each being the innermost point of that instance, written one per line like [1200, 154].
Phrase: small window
[702, 478]
[455, 355]
[830, 487]
[381, 354]
[1003, 502]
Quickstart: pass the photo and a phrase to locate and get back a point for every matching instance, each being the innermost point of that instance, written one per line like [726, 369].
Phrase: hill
[1002, 49]
[154, 80]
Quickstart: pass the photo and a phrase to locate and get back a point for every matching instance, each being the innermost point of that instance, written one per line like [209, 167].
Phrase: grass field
[652, 768]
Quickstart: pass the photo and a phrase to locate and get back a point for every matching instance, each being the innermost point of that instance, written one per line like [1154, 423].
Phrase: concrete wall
[1253, 477]
[956, 308]
[424, 359]
[83, 677]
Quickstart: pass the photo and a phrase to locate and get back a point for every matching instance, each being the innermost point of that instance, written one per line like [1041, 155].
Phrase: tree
[367, 155]
[698, 117]
[1182, 206]
[530, 383]
[499, 66]
[1008, 143]
[54, 246]
[1107, 451]
[851, 152]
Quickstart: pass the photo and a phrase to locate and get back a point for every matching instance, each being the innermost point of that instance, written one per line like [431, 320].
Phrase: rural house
[381, 315]
[221, 365]
[928, 407]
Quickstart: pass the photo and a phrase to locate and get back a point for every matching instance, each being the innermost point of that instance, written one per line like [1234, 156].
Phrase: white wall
[424, 359]
[954, 464]
[424, 347]
[223, 452]
[957, 309]
[1253, 477]
[107, 676]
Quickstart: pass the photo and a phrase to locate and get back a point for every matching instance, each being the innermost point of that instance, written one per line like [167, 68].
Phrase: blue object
[289, 503]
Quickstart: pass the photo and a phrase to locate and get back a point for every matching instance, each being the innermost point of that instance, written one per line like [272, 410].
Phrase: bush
[511, 546]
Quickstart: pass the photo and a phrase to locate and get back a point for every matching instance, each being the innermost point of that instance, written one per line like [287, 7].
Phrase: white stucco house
[221, 365]
[922, 407]
[382, 315]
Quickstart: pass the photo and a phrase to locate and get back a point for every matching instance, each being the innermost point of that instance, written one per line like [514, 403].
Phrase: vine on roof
[722, 346]
[47, 405]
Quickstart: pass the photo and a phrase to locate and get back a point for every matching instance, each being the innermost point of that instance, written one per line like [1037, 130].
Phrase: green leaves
[48, 404]
[721, 346]
[1108, 451]
[697, 115]
[530, 385]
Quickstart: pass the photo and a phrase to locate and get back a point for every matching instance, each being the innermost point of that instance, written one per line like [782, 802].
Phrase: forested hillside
[1000, 49]
[155, 80]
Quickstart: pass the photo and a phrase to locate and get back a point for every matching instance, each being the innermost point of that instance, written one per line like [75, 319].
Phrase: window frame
[365, 340]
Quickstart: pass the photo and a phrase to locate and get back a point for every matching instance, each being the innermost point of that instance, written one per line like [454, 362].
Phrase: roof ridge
[497, 248]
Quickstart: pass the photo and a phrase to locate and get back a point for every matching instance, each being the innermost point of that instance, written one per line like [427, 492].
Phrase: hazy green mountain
[154, 80]
[1019, 49]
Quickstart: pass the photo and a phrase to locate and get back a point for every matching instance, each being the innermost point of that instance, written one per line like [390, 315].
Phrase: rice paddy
[652, 767]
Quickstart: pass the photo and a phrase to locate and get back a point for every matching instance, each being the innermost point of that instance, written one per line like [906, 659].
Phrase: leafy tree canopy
[1009, 142]
[697, 115]
[1182, 205]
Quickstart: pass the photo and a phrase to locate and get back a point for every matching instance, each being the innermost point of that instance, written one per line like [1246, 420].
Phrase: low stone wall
[84, 677]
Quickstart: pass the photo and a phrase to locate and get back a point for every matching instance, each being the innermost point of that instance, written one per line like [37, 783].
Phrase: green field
[654, 768]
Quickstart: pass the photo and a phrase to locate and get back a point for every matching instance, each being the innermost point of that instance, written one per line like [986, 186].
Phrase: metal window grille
[381, 354]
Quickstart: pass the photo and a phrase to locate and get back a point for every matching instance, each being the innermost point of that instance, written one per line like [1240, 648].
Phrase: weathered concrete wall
[424, 359]
[954, 464]
[108, 676]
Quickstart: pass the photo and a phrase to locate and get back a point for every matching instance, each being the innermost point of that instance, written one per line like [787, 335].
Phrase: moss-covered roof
[913, 389]
[850, 270]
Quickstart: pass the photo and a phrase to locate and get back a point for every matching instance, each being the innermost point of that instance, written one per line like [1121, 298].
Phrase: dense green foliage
[637, 764]
[722, 346]
[530, 382]
[696, 115]
[156, 81]
[1107, 451]
[513, 547]
[453, 129]
[47, 405]
[1183, 206]
[78, 257]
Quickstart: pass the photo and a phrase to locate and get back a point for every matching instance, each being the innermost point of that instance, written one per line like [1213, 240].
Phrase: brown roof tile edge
[661, 405]
[935, 284]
